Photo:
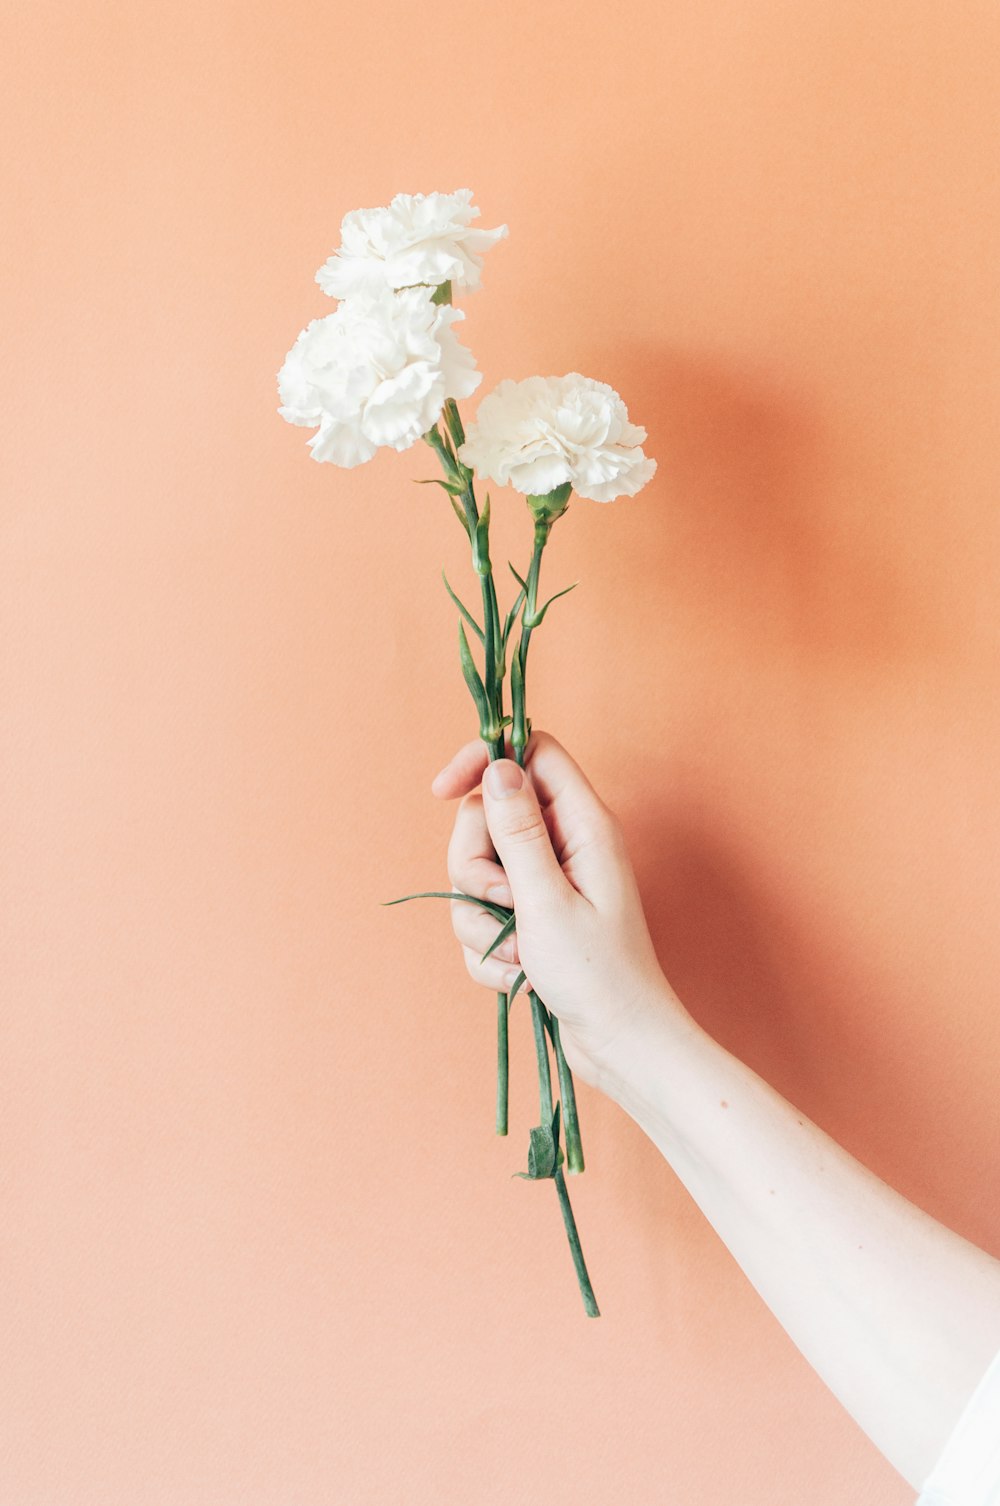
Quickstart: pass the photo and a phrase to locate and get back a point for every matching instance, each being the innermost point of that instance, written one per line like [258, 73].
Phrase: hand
[581, 936]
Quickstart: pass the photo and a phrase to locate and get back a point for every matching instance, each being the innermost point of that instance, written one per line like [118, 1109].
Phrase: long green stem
[567, 1088]
[538, 1020]
[502, 1064]
[494, 690]
[586, 1290]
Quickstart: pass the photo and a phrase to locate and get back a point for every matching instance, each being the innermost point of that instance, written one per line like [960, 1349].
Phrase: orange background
[260, 1245]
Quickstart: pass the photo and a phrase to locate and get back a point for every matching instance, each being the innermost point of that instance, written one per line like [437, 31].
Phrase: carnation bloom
[375, 372]
[418, 238]
[541, 433]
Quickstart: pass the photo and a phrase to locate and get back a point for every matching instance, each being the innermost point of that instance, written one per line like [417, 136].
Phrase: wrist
[644, 1060]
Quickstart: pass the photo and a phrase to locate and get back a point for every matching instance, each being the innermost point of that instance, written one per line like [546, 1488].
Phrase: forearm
[899, 1315]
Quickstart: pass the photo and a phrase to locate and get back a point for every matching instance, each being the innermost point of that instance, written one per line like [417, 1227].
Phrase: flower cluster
[379, 370]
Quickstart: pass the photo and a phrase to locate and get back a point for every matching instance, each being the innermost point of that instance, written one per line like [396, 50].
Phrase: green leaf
[512, 616]
[499, 912]
[519, 732]
[541, 1152]
[516, 986]
[481, 541]
[472, 678]
[509, 925]
[535, 620]
[474, 625]
[442, 293]
[453, 419]
[523, 584]
[452, 487]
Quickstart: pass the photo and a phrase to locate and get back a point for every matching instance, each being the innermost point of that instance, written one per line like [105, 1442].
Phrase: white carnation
[418, 238]
[538, 434]
[375, 372]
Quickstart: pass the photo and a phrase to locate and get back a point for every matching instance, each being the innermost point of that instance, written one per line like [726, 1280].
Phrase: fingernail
[503, 778]
[500, 895]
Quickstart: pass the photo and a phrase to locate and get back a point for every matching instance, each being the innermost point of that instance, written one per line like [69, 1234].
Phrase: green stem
[542, 1053]
[502, 1064]
[542, 531]
[586, 1290]
[538, 1013]
[567, 1089]
[567, 1092]
[455, 432]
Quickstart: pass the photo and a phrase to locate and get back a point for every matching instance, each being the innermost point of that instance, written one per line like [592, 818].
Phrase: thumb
[520, 834]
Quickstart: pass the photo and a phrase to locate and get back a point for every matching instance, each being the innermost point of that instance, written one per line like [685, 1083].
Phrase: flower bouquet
[386, 369]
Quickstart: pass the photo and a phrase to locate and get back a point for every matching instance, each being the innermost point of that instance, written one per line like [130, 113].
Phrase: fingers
[498, 976]
[574, 810]
[521, 837]
[463, 772]
[476, 931]
[472, 862]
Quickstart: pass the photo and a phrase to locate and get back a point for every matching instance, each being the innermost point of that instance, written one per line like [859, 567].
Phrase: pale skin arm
[899, 1315]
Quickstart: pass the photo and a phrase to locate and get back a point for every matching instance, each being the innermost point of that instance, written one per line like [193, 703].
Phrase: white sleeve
[968, 1471]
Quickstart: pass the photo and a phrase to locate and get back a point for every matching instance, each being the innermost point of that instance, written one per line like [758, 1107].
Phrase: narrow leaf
[523, 584]
[501, 936]
[512, 616]
[474, 625]
[472, 678]
[499, 912]
[533, 622]
[516, 986]
[481, 541]
[451, 487]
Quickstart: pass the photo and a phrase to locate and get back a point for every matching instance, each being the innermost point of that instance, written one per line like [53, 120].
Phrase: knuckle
[525, 827]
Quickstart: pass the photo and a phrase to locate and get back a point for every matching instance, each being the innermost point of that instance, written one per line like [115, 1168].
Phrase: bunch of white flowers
[383, 371]
[378, 371]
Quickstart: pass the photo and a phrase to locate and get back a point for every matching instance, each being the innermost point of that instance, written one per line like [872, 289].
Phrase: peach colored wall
[260, 1246]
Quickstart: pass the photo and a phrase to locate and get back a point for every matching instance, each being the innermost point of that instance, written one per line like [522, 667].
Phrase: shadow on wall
[771, 525]
[778, 558]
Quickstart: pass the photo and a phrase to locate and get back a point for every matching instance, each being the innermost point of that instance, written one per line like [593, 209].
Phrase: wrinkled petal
[417, 238]
[537, 434]
[376, 372]
[341, 443]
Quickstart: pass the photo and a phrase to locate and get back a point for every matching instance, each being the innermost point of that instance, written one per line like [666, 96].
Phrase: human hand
[581, 936]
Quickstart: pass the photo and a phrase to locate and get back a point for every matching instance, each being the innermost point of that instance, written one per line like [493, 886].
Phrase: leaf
[453, 487]
[516, 986]
[464, 610]
[472, 678]
[453, 419]
[541, 1152]
[521, 583]
[509, 925]
[535, 620]
[512, 617]
[499, 912]
[481, 541]
[518, 731]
